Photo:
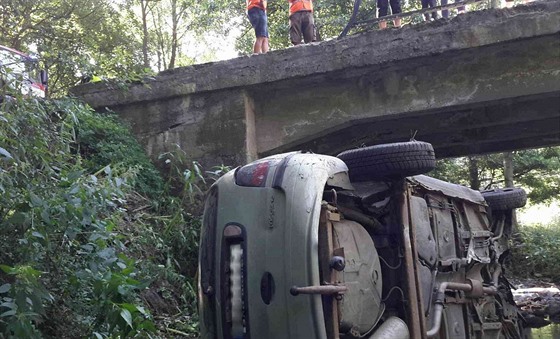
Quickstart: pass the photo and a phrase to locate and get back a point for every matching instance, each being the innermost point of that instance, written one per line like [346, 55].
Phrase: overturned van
[362, 245]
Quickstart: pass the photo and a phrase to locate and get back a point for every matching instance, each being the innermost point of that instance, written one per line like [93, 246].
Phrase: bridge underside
[506, 125]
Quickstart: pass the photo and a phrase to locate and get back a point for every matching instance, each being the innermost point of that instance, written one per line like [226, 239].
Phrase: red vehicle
[21, 72]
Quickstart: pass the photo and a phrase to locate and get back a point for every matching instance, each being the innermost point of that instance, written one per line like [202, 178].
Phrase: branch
[177, 332]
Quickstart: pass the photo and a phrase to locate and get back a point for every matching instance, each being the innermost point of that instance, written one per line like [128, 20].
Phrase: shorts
[383, 7]
[302, 23]
[258, 20]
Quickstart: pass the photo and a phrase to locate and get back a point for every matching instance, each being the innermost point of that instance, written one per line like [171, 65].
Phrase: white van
[301, 245]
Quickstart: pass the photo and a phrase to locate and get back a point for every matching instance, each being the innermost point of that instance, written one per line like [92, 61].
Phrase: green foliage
[188, 182]
[535, 251]
[58, 241]
[22, 301]
[89, 237]
[537, 170]
[73, 38]
[102, 139]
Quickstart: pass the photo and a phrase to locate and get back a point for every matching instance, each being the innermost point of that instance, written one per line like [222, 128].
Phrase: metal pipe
[440, 299]
[323, 289]
[368, 222]
[393, 327]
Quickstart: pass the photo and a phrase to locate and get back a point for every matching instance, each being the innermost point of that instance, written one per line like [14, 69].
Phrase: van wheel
[389, 161]
[505, 199]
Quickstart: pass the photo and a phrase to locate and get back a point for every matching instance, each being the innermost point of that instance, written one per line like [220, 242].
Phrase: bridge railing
[352, 23]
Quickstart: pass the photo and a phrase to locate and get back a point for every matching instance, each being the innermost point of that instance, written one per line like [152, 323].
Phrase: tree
[538, 170]
[73, 39]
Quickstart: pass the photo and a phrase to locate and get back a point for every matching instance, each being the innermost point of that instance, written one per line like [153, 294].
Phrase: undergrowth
[92, 243]
[535, 252]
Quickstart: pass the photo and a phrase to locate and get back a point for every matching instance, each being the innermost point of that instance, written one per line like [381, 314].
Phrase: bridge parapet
[473, 84]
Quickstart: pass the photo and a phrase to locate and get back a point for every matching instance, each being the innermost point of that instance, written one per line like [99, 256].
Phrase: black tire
[505, 199]
[389, 161]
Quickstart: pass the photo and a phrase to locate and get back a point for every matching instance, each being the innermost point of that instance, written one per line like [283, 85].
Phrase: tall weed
[59, 247]
[535, 251]
[93, 241]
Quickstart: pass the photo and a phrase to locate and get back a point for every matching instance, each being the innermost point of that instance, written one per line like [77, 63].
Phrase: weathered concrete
[484, 82]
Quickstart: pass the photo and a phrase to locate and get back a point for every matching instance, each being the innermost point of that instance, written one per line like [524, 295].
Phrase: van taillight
[253, 175]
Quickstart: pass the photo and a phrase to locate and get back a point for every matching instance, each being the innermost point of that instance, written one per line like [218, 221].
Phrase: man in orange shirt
[301, 21]
[256, 11]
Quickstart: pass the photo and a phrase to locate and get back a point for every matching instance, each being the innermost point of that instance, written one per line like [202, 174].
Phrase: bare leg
[264, 45]
[261, 45]
[397, 22]
[382, 24]
[257, 46]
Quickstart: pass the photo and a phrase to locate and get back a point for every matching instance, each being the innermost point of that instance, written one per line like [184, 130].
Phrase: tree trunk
[474, 179]
[508, 178]
[174, 42]
[508, 169]
[144, 5]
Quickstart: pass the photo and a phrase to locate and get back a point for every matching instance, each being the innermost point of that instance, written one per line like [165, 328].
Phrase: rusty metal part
[412, 292]
[365, 220]
[476, 289]
[440, 299]
[323, 289]
[331, 306]
[416, 210]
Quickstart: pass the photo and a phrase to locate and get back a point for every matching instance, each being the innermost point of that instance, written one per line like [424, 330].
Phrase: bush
[61, 255]
[535, 251]
[104, 140]
[91, 242]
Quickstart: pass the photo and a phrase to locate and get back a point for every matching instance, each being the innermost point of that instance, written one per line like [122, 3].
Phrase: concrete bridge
[483, 82]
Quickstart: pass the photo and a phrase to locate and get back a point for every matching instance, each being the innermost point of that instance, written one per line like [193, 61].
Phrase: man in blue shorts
[256, 11]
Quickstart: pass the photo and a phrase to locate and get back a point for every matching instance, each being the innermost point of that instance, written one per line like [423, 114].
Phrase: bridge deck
[484, 81]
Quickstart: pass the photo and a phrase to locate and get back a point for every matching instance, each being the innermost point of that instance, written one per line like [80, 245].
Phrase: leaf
[129, 307]
[8, 313]
[9, 304]
[37, 234]
[5, 153]
[73, 176]
[7, 269]
[36, 201]
[125, 314]
[5, 288]
[97, 335]
[17, 218]
[142, 310]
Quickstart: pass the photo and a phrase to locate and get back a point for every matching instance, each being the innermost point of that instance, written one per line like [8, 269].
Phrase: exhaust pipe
[393, 327]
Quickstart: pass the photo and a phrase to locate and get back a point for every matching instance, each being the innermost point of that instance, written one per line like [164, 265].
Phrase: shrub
[535, 251]
[90, 237]
[103, 140]
[61, 254]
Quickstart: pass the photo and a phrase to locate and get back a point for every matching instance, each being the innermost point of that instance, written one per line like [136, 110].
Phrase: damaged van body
[297, 245]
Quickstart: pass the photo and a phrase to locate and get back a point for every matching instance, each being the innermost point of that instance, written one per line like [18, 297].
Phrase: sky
[538, 214]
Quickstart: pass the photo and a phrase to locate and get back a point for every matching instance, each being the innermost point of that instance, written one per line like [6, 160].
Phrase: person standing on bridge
[256, 11]
[429, 4]
[445, 12]
[383, 10]
[301, 21]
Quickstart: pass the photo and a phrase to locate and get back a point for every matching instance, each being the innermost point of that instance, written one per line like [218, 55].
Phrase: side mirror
[44, 77]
